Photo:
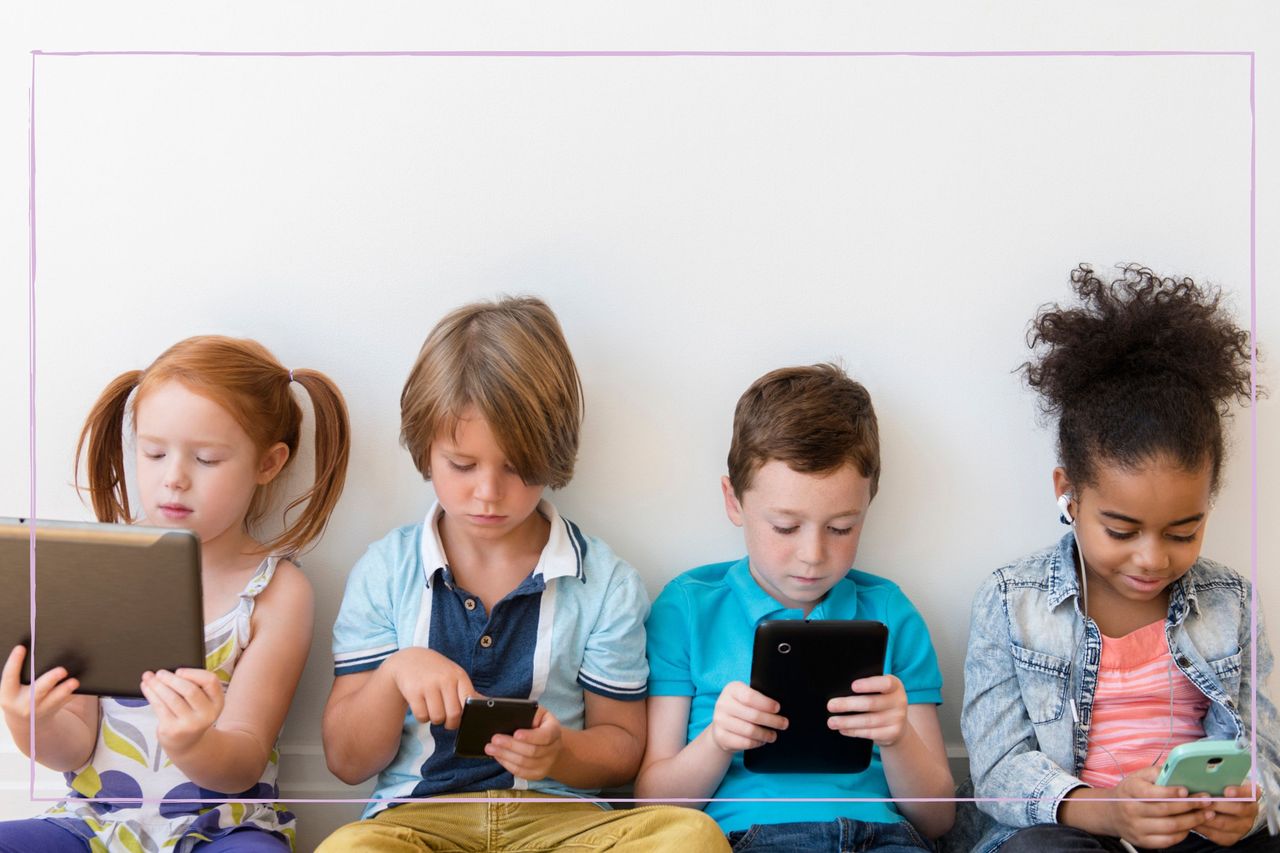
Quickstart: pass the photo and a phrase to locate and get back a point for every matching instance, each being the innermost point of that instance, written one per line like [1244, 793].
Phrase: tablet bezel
[824, 657]
[113, 601]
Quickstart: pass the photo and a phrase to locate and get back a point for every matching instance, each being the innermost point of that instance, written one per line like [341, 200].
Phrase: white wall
[694, 221]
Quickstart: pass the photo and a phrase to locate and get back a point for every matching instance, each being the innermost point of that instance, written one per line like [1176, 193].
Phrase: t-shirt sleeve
[364, 634]
[910, 655]
[613, 663]
[669, 634]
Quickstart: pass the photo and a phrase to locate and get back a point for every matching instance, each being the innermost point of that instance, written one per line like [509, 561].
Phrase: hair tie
[291, 374]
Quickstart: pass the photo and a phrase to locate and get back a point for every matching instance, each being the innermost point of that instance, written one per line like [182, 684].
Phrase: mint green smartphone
[1205, 766]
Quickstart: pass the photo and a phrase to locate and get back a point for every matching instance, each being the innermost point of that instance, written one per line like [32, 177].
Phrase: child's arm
[743, 719]
[605, 752]
[364, 717]
[66, 725]
[1120, 812]
[223, 743]
[911, 747]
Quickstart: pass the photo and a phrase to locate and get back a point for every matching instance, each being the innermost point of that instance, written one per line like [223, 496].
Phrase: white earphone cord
[1084, 599]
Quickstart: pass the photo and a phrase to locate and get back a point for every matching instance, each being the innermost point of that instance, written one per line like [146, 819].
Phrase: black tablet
[802, 665]
[112, 600]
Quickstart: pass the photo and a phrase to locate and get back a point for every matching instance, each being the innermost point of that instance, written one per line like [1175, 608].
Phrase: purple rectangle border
[574, 54]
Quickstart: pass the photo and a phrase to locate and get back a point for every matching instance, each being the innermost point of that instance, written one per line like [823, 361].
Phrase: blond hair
[509, 360]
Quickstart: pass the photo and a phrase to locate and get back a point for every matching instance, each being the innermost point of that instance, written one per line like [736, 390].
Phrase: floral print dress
[128, 762]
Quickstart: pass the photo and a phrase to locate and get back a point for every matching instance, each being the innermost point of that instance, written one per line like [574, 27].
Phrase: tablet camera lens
[784, 648]
[489, 703]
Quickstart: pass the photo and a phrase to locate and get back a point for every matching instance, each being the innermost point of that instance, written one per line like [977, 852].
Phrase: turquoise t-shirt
[700, 633]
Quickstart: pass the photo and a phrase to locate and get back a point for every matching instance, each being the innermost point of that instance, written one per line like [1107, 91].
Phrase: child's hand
[529, 753]
[1229, 822]
[1155, 825]
[187, 703]
[53, 690]
[877, 711]
[745, 718]
[434, 686]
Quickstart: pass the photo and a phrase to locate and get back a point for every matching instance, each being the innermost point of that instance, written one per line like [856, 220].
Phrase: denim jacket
[1032, 668]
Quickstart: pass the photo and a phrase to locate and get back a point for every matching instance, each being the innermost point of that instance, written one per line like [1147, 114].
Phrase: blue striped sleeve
[364, 634]
[613, 662]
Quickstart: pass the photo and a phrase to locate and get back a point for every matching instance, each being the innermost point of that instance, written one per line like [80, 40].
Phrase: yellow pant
[510, 824]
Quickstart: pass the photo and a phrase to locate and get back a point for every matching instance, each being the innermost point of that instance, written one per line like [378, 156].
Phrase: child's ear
[1061, 483]
[732, 507]
[272, 461]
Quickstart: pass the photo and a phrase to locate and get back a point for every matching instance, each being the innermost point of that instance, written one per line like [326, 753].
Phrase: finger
[60, 694]
[875, 684]
[748, 731]
[850, 704]
[435, 706]
[47, 682]
[538, 735]
[761, 719]
[158, 706]
[9, 679]
[164, 695]
[418, 707]
[752, 698]
[508, 745]
[207, 681]
[188, 690]
[452, 709]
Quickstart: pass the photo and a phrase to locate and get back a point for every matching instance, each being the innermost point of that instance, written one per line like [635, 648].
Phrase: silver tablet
[112, 600]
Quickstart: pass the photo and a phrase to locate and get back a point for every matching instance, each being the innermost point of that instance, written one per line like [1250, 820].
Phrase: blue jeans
[1055, 838]
[841, 835]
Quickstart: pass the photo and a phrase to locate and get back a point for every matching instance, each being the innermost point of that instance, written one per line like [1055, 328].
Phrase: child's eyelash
[458, 467]
[1115, 534]
[787, 531]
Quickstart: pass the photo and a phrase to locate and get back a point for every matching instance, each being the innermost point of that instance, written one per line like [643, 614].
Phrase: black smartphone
[484, 717]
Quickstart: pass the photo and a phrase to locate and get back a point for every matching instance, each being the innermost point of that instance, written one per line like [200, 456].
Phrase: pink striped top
[1131, 717]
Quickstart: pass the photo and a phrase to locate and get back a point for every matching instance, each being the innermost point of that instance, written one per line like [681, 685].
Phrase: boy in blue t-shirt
[494, 594]
[803, 467]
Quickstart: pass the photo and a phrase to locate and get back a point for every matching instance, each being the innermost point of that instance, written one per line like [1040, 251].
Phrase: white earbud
[1064, 506]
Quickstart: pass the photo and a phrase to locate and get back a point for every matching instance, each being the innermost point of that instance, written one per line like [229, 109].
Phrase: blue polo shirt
[575, 623]
[700, 635]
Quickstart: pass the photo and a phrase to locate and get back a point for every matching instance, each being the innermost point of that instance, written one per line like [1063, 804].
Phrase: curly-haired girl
[1090, 660]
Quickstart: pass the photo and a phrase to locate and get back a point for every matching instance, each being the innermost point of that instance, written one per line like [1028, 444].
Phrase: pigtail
[104, 465]
[332, 447]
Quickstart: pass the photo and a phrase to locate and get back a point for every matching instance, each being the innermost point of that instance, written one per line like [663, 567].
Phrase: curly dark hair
[1145, 366]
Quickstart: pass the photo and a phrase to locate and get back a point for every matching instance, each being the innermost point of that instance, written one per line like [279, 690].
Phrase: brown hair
[510, 360]
[814, 419]
[243, 377]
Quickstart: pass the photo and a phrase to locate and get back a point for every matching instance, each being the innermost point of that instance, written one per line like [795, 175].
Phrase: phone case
[484, 718]
[1205, 766]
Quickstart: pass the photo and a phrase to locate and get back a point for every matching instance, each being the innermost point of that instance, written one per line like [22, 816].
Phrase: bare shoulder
[287, 599]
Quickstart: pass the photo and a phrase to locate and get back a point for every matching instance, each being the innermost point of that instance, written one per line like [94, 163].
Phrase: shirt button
[470, 604]
[1184, 661]
[486, 641]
